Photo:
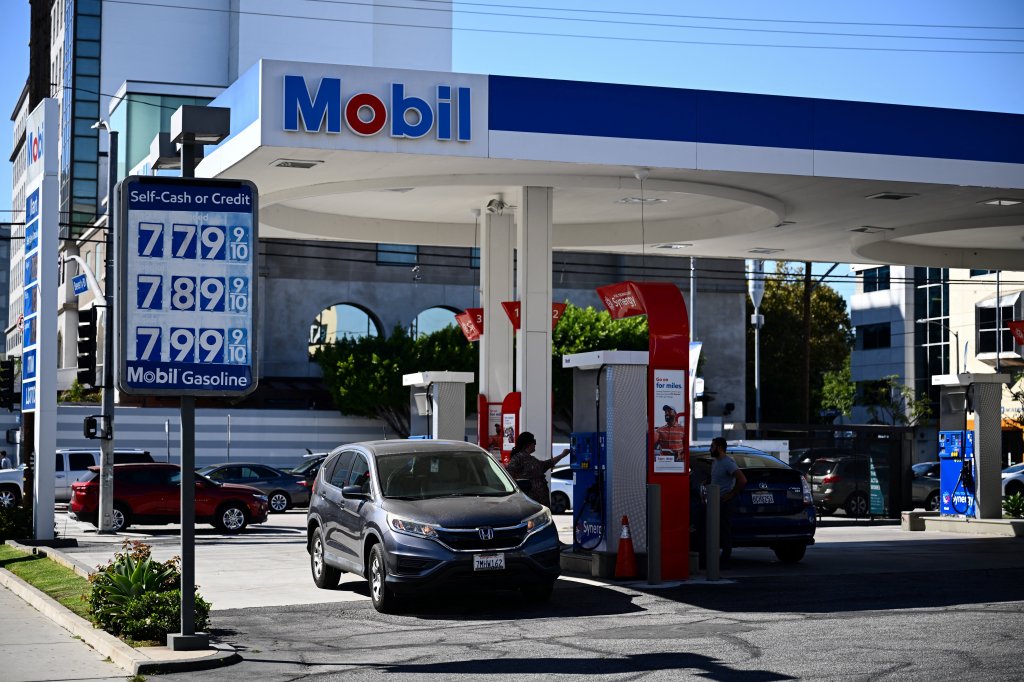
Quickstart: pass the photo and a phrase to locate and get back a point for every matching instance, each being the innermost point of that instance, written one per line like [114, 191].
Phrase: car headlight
[261, 497]
[538, 520]
[415, 528]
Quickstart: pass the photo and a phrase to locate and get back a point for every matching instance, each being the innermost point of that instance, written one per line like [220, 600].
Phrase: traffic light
[87, 346]
[7, 384]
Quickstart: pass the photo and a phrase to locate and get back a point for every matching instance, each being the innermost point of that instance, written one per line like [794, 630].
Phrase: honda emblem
[486, 533]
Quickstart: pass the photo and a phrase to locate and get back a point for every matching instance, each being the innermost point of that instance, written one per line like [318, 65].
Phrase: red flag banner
[512, 310]
[472, 323]
[1017, 329]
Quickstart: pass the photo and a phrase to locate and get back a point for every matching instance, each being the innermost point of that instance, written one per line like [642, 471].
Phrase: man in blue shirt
[730, 480]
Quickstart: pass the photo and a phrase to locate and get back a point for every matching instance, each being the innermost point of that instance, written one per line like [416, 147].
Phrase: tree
[890, 402]
[838, 392]
[364, 375]
[782, 339]
[582, 330]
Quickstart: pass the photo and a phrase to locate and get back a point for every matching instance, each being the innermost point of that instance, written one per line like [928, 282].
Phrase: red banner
[1017, 329]
[472, 323]
[512, 310]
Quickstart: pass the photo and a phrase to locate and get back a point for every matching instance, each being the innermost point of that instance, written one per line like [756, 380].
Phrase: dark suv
[413, 515]
[841, 482]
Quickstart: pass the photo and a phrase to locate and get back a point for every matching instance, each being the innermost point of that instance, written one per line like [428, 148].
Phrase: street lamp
[956, 340]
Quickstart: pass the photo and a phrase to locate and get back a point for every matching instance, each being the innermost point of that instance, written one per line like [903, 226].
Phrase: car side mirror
[354, 492]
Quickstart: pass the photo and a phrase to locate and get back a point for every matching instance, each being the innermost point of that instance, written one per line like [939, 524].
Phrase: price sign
[187, 250]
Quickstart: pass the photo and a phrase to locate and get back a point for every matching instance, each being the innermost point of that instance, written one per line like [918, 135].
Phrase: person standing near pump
[5, 461]
[523, 466]
[726, 474]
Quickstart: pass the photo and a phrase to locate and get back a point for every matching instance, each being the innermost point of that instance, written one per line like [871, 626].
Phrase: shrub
[15, 523]
[152, 615]
[1013, 505]
[136, 597]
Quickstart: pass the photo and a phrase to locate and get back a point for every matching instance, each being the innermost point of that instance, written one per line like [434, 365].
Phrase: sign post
[187, 249]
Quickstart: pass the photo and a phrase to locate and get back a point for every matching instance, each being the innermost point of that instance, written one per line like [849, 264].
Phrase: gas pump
[956, 473]
[588, 460]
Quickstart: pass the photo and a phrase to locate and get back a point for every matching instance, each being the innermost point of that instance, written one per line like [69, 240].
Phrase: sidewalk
[34, 648]
[36, 608]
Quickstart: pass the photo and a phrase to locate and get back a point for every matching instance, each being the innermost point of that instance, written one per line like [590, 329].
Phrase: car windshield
[748, 460]
[822, 467]
[423, 475]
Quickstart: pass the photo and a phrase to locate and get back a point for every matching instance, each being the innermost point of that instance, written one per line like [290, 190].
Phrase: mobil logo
[448, 113]
[34, 146]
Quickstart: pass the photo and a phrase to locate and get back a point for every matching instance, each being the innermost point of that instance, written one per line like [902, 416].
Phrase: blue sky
[966, 54]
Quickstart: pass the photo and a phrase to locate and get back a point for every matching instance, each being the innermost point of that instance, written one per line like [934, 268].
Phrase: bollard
[653, 534]
[711, 550]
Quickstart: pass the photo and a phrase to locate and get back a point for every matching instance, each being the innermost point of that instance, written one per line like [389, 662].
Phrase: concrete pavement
[34, 649]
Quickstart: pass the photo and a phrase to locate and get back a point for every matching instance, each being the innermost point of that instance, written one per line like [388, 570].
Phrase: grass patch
[59, 582]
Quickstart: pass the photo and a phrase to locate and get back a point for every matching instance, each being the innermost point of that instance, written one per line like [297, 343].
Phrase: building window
[876, 279]
[872, 336]
[397, 254]
[993, 324]
[981, 273]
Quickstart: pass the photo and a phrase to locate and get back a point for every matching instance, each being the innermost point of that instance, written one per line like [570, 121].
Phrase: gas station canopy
[398, 156]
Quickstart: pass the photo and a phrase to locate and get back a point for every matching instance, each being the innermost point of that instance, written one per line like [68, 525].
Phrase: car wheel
[122, 518]
[231, 518]
[279, 502]
[790, 554]
[539, 592]
[1014, 488]
[384, 600]
[559, 503]
[857, 505]
[932, 503]
[326, 577]
[9, 497]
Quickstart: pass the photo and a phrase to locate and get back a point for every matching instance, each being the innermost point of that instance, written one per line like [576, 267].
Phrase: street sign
[187, 252]
[80, 283]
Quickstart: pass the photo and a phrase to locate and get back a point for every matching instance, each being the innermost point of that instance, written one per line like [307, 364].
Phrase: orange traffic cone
[625, 560]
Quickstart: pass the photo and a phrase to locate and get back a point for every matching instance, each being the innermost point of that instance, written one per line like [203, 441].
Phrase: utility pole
[805, 387]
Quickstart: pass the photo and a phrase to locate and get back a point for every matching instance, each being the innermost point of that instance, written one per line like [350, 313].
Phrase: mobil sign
[373, 109]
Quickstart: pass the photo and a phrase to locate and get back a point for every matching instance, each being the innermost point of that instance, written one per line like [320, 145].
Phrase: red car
[151, 494]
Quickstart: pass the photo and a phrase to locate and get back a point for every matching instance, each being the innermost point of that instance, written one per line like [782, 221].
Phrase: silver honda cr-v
[414, 515]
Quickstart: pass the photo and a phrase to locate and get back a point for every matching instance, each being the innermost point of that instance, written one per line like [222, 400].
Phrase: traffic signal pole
[106, 506]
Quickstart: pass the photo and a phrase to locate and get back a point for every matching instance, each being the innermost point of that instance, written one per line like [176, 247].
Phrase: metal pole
[167, 437]
[106, 503]
[188, 515]
[757, 369]
[229, 437]
[187, 639]
[999, 326]
[653, 534]
[693, 337]
[714, 517]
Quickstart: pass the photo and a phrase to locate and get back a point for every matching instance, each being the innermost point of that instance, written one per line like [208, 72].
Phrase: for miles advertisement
[188, 286]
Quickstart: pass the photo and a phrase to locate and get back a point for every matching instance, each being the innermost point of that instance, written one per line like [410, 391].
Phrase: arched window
[432, 320]
[339, 321]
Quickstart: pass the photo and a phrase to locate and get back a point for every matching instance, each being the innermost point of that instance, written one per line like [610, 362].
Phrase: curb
[128, 658]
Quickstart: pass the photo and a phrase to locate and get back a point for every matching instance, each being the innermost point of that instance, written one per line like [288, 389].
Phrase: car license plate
[762, 498]
[488, 562]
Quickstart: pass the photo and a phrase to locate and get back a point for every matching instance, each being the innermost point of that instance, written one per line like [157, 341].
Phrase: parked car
[12, 483]
[415, 515]
[309, 467]
[841, 482]
[801, 459]
[284, 490]
[924, 486]
[1013, 480]
[774, 509]
[561, 490]
[151, 494]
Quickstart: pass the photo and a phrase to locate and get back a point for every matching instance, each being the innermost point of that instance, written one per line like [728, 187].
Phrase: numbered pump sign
[187, 250]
